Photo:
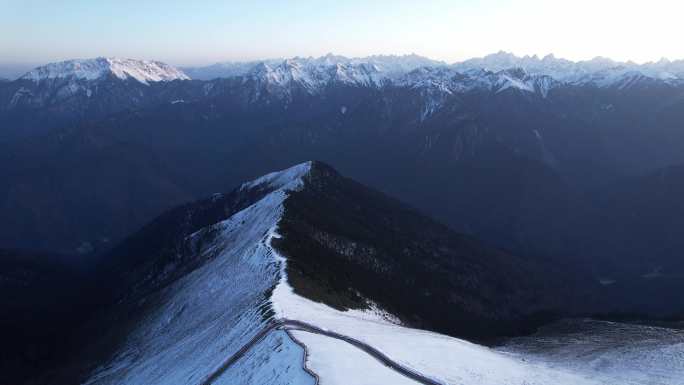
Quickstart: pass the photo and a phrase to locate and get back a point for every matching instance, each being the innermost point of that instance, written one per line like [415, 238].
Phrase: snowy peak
[288, 179]
[144, 71]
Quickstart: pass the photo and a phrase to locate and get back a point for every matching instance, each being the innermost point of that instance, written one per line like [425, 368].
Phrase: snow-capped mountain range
[100, 86]
[599, 70]
[314, 75]
[496, 72]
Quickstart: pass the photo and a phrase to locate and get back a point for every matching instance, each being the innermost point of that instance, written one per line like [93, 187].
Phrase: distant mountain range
[94, 88]
[601, 71]
[390, 65]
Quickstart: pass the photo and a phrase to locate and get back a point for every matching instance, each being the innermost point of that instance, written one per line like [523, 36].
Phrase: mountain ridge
[162, 283]
[144, 71]
[307, 246]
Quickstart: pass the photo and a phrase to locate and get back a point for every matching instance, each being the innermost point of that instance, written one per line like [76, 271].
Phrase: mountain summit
[144, 71]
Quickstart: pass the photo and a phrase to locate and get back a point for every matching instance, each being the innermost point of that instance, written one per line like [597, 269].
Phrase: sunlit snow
[144, 71]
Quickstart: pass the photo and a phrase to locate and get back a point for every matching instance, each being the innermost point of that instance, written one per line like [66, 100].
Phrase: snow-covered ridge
[495, 73]
[144, 71]
[313, 77]
[208, 314]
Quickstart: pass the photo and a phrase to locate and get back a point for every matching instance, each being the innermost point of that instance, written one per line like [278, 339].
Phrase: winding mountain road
[287, 324]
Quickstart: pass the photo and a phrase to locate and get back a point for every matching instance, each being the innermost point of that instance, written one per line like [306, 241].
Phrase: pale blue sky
[203, 32]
